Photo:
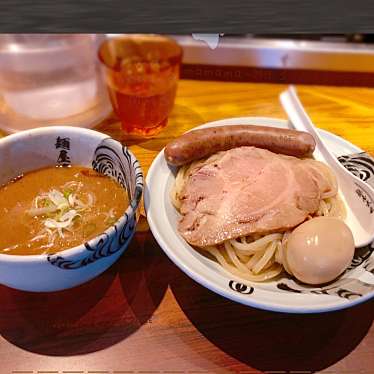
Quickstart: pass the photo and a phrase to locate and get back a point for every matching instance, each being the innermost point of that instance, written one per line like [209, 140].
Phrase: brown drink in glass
[141, 72]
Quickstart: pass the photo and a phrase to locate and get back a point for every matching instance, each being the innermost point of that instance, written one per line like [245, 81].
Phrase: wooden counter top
[144, 315]
[347, 112]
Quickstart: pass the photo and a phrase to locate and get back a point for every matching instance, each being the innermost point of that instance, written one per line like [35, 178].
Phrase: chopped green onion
[67, 193]
[46, 203]
[61, 209]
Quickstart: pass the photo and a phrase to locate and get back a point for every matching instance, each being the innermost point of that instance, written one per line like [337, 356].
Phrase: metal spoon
[356, 194]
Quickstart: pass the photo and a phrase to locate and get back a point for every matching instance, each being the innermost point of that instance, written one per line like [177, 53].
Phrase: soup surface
[52, 209]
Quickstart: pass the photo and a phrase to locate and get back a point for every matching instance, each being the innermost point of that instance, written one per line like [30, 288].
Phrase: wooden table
[145, 316]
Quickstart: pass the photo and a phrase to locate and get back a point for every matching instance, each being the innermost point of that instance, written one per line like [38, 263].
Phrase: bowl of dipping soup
[68, 206]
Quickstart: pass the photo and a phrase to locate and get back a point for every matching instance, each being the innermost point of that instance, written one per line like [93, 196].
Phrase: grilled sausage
[201, 143]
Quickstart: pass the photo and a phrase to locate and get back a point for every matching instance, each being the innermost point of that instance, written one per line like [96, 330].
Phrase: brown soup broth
[52, 209]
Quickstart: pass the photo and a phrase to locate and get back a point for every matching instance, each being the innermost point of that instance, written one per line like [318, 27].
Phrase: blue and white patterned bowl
[38, 148]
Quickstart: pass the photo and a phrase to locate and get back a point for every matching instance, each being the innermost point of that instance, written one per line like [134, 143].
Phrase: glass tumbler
[141, 73]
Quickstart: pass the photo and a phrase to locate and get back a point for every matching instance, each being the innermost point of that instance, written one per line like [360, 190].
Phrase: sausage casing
[201, 143]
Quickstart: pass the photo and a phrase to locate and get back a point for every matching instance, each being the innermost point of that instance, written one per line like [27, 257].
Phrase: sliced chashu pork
[249, 190]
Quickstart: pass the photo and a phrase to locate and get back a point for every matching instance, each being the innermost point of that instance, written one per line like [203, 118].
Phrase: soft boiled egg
[319, 250]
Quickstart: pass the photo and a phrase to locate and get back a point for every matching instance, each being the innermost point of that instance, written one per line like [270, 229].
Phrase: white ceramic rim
[22, 136]
[204, 279]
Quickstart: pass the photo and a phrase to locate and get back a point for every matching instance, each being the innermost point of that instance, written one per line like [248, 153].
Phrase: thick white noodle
[255, 257]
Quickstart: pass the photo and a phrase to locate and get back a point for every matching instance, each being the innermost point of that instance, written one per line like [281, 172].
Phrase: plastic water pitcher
[50, 79]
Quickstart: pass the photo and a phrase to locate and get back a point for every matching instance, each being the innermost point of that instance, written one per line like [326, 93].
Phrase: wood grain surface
[144, 315]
